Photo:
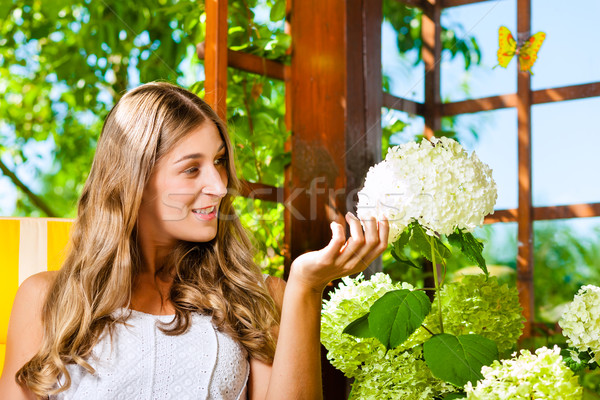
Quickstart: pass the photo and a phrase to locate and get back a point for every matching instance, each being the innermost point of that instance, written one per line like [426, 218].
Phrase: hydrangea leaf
[426, 244]
[454, 396]
[359, 327]
[396, 315]
[470, 246]
[398, 247]
[458, 359]
[400, 258]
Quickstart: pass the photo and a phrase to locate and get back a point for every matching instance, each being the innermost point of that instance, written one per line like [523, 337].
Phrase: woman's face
[181, 200]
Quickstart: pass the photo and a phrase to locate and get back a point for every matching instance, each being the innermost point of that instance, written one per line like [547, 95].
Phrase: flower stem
[437, 283]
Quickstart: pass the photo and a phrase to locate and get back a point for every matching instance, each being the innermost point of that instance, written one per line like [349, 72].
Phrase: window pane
[482, 21]
[565, 143]
[566, 256]
[570, 53]
[406, 78]
[500, 253]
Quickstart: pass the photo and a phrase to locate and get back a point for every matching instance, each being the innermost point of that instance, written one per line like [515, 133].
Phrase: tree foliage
[64, 64]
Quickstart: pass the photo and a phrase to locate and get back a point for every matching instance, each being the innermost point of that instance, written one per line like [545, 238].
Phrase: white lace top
[144, 363]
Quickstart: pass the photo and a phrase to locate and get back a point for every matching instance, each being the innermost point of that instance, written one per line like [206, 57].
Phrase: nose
[215, 184]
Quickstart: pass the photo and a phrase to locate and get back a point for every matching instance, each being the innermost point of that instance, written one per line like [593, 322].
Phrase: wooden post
[215, 60]
[525, 213]
[335, 105]
[287, 183]
[431, 35]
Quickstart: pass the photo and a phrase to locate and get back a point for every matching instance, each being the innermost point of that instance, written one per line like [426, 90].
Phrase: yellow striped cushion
[27, 246]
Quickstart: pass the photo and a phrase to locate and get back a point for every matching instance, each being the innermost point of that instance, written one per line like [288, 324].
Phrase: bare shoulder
[37, 285]
[25, 331]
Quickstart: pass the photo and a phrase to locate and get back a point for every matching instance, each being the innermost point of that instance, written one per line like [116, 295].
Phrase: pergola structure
[333, 108]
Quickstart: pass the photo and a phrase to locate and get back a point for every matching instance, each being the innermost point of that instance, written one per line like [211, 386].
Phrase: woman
[158, 296]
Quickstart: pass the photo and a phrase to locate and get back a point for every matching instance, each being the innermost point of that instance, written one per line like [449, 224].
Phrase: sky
[566, 135]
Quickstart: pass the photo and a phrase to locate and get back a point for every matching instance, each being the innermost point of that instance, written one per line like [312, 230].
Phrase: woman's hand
[314, 270]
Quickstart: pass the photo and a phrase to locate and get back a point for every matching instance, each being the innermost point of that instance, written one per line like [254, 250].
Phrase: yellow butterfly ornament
[526, 51]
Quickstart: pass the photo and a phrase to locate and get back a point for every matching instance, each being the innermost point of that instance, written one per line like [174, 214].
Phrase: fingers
[338, 239]
[359, 244]
[383, 230]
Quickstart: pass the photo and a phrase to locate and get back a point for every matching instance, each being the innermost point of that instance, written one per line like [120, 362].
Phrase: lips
[206, 213]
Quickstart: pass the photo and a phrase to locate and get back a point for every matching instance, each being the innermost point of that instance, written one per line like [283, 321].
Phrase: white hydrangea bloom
[542, 375]
[435, 183]
[580, 321]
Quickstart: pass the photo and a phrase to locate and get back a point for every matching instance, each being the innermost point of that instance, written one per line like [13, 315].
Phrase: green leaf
[401, 259]
[278, 11]
[458, 359]
[470, 246]
[396, 315]
[359, 327]
[452, 396]
[426, 244]
[398, 247]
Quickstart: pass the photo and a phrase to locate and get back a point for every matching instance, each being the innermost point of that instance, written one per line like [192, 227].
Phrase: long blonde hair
[218, 277]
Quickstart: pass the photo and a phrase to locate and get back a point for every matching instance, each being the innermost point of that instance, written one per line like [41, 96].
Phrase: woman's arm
[296, 369]
[25, 333]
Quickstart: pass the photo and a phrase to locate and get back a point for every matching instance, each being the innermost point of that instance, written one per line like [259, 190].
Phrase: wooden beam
[525, 210]
[566, 93]
[255, 190]
[509, 215]
[510, 100]
[414, 3]
[249, 63]
[585, 210]
[567, 211]
[477, 105]
[215, 63]
[431, 32]
[398, 103]
[456, 3]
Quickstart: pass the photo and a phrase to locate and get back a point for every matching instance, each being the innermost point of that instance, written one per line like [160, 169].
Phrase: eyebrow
[197, 155]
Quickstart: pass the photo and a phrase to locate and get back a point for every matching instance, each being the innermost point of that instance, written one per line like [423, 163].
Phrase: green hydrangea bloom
[396, 374]
[580, 321]
[542, 375]
[473, 305]
[353, 299]
[476, 306]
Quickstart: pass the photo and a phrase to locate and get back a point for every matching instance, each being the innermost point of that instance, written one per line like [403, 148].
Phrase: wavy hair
[218, 277]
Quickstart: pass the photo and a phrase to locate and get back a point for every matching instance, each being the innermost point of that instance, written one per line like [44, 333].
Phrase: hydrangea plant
[542, 375]
[428, 191]
[351, 300]
[580, 321]
[473, 305]
[378, 373]
[477, 305]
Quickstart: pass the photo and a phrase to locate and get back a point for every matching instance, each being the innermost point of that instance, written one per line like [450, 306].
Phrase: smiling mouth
[204, 211]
